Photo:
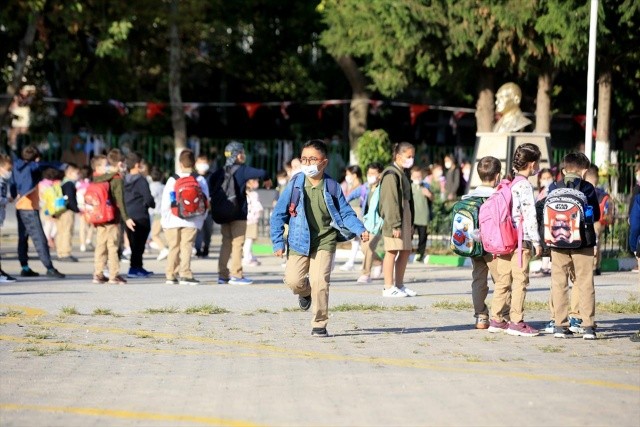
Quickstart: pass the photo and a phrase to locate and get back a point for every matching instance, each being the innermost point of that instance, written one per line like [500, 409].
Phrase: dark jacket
[26, 175]
[634, 225]
[241, 176]
[137, 197]
[69, 191]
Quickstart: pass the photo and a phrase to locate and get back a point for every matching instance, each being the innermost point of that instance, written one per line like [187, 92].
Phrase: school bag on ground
[98, 207]
[465, 227]
[497, 233]
[225, 203]
[564, 217]
[53, 200]
[372, 220]
[190, 199]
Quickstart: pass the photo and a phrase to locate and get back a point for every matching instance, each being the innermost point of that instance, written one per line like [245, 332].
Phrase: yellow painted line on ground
[25, 312]
[127, 415]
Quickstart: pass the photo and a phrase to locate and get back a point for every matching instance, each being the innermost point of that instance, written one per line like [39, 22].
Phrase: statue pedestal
[502, 146]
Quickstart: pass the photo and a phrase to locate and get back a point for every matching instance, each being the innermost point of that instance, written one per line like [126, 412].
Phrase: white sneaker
[163, 254]
[153, 245]
[394, 292]
[126, 252]
[376, 272]
[364, 279]
[347, 266]
[409, 292]
[83, 248]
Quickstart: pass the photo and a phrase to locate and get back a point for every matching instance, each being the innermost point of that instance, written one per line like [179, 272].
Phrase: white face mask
[202, 168]
[6, 175]
[448, 165]
[349, 179]
[372, 179]
[310, 170]
[408, 163]
[546, 183]
[416, 181]
[282, 182]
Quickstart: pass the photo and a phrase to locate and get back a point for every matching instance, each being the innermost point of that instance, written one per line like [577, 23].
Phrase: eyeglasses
[310, 160]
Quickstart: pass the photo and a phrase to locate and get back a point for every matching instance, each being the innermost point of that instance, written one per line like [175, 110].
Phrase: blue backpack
[372, 220]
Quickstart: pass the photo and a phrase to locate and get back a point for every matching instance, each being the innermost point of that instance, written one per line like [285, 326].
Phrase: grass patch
[69, 311]
[373, 307]
[453, 305]
[536, 306]
[143, 334]
[265, 311]
[290, 310]
[631, 306]
[11, 313]
[162, 310]
[206, 309]
[550, 349]
[102, 312]
[40, 335]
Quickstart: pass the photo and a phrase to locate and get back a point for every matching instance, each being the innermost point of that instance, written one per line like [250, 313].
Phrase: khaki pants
[511, 281]
[370, 254]
[180, 242]
[482, 266]
[562, 262]
[156, 229]
[317, 266]
[574, 311]
[107, 243]
[597, 260]
[232, 241]
[64, 238]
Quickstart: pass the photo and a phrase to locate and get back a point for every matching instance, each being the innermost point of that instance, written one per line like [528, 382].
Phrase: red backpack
[98, 206]
[190, 201]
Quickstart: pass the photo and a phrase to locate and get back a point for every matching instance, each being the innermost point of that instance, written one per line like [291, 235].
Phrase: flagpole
[591, 77]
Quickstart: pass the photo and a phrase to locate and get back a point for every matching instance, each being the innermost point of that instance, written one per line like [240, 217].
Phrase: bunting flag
[283, 109]
[191, 110]
[120, 106]
[375, 105]
[251, 108]
[154, 109]
[71, 105]
[328, 103]
[581, 119]
[415, 110]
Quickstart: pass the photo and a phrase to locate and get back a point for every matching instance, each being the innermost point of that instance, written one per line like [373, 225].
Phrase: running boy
[312, 238]
[66, 220]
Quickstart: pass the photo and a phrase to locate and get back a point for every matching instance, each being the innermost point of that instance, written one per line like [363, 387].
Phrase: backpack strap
[295, 195]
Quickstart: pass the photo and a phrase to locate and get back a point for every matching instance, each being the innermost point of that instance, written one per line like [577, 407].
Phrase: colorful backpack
[564, 217]
[190, 200]
[372, 220]
[465, 227]
[606, 207]
[53, 200]
[497, 233]
[98, 207]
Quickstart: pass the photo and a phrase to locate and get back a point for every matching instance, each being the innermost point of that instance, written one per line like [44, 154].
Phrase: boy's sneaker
[482, 323]
[394, 292]
[27, 272]
[495, 326]
[562, 332]
[597, 272]
[409, 292]
[83, 248]
[172, 282]
[589, 333]
[189, 281]
[305, 302]
[5, 278]
[635, 337]
[574, 325]
[118, 280]
[223, 281]
[550, 327]
[347, 266]
[240, 281]
[364, 279]
[69, 258]
[521, 329]
[100, 279]
[52, 272]
[319, 332]
[376, 271]
[138, 273]
[163, 254]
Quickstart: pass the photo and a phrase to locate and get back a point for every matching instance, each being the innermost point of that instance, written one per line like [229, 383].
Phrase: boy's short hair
[317, 144]
[187, 159]
[416, 168]
[156, 174]
[30, 153]
[71, 166]
[488, 167]
[115, 156]
[132, 159]
[376, 165]
[5, 160]
[203, 157]
[282, 174]
[574, 162]
[97, 160]
[51, 173]
[85, 172]
[592, 172]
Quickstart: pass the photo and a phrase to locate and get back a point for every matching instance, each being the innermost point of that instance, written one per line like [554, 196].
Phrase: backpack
[497, 233]
[564, 217]
[606, 208]
[190, 201]
[465, 227]
[372, 220]
[334, 189]
[224, 198]
[98, 207]
[53, 200]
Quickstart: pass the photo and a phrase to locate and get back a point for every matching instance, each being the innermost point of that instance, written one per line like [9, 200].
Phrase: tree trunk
[603, 144]
[543, 103]
[175, 96]
[359, 103]
[485, 107]
[19, 65]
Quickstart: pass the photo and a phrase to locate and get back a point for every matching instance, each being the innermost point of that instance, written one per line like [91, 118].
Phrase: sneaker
[305, 302]
[364, 279]
[495, 326]
[172, 282]
[52, 272]
[126, 253]
[69, 258]
[118, 280]
[562, 332]
[163, 254]
[240, 281]
[546, 271]
[537, 273]
[189, 281]
[223, 281]
[27, 272]
[83, 248]
[153, 245]
[550, 327]
[597, 272]
[5, 278]
[589, 333]
[319, 332]
[138, 273]
[90, 247]
[193, 251]
[482, 323]
[347, 266]
[419, 258]
[409, 292]
[574, 325]
[521, 329]
[99, 279]
[376, 272]
[394, 292]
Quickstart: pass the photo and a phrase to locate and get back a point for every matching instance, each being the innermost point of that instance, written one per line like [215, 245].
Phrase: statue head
[508, 98]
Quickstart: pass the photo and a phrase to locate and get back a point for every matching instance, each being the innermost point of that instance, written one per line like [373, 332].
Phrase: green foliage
[373, 146]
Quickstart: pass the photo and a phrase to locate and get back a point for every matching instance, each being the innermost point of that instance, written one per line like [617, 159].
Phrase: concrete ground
[138, 355]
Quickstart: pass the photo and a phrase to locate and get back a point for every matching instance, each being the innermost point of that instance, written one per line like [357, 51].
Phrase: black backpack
[226, 198]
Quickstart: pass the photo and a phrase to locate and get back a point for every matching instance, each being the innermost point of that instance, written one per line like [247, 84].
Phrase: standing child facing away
[566, 258]
[254, 212]
[138, 200]
[157, 188]
[313, 204]
[606, 215]
[421, 211]
[86, 229]
[183, 208]
[512, 269]
[5, 197]
[65, 222]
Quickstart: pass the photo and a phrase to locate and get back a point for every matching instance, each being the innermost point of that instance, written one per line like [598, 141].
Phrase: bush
[373, 146]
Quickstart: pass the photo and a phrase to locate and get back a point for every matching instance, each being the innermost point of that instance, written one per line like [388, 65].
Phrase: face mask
[546, 182]
[202, 168]
[372, 179]
[310, 170]
[416, 181]
[448, 165]
[408, 163]
[349, 179]
[282, 182]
